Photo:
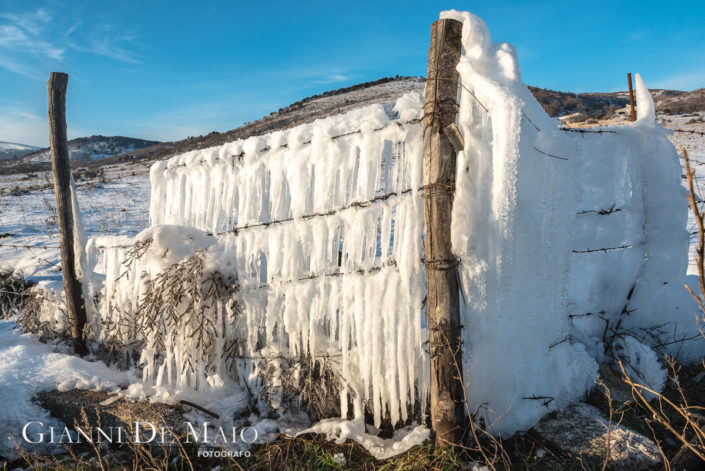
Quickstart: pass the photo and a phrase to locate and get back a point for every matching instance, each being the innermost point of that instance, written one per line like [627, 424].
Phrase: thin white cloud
[31, 40]
[685, 80]
[17, 125]
[107, 48]
[635, 37]
[334, 78]
[108, 41]
[318, 74]
[12, 38]
[18, 68]
[71, 29]
[32, 22]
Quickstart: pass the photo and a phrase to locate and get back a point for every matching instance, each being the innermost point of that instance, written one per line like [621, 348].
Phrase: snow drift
[573, 250]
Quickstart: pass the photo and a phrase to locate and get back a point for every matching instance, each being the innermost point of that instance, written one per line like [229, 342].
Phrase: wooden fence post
[439, 162]
[631, 96]
[75, 305]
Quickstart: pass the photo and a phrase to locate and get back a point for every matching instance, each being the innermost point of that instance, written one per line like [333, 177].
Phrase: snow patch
[29, 367]
[342, 430]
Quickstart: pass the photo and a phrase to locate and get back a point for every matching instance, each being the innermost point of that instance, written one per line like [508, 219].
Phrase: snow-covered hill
[386, 90]
[93, 148]
[11, 150]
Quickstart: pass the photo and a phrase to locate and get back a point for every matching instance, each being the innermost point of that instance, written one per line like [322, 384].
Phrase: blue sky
[170, 69]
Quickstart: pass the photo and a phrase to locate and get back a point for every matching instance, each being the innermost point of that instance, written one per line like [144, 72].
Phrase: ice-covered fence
[322, 225]
[571, 245]
[565, 239]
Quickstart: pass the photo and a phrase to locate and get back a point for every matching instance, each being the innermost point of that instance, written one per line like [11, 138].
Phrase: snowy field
[117, 206]
[695, 145]
[30, 367]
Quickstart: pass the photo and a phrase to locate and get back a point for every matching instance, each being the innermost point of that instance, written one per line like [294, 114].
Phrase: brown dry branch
[481, 441]
[312, 383]
[30, 317]
[700, 247]
[13, 294]
[611, 425]
[681, 419]
[662, 410]
[135, 252]
[85, 424]
[186, 303]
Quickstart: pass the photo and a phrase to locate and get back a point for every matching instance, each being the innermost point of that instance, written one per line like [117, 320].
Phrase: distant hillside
[385, 90]
[682, 102]
[11, 150]
[99, 150]
[601, 105]
[92, 148]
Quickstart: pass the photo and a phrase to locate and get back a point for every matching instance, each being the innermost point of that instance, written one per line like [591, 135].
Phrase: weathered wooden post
[631, 96]
[439, 161]
[61, 170]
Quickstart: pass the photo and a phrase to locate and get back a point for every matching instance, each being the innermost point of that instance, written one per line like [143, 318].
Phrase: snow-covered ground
[27, 367]
[694, 144]
[117, 206]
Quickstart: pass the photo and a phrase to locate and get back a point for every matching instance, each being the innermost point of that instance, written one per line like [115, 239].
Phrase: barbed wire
[390, 264]
[604, 250]
[472, 94]
[27, 246]
[587, 131]
[690, 131]
[268, 148]
[43, 260]
[354, 204]
[235, 230]
[549, 155]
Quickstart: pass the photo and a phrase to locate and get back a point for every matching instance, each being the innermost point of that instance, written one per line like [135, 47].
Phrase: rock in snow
[110, 410]
[581, 431]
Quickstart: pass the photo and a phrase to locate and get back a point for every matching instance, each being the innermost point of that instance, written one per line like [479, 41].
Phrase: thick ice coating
[570, 242]
[327, 249]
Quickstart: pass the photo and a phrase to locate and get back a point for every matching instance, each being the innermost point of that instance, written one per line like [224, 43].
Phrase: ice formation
[326, 248]
[566, 239]
[573, 245]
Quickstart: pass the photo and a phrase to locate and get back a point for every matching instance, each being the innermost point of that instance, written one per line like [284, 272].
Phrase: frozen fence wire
[248, 186]
[323, 230]
[690, 131]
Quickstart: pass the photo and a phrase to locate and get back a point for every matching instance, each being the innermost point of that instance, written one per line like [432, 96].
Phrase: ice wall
[322, 224]
[566, 239]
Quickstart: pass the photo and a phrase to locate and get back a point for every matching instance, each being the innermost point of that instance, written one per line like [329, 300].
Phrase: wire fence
[688, 131]
[361, 204]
